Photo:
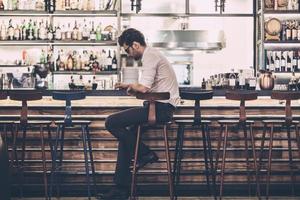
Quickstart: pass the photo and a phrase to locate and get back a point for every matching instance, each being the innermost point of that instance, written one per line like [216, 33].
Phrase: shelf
[84, 43]
[282, 12]
[283, 42]
[57, 43]
[85, 72]
[24, 43]
[29, 13]
[184, 15]
[15, 66]
[74, 13]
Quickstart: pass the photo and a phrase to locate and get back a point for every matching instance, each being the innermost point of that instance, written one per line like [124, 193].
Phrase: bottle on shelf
[114, 65]
[10, 30]
[109, 61]
[203, 84]
[2, 5]
[292, 85]
[277, 63]
[282, 63]
[74, 35]
[288, 62]
[92, 33]
[294, 61]
[232, 80]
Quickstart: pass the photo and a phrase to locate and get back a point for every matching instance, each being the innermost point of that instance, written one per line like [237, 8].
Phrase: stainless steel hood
[188, 40]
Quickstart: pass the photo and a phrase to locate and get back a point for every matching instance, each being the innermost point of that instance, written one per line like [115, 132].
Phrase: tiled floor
[165, 198]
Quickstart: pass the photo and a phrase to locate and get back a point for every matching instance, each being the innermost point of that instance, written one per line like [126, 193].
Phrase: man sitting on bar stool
[157, 76]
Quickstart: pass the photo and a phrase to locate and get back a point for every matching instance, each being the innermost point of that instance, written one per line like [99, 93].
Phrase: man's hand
[121, 86]
[131, 91]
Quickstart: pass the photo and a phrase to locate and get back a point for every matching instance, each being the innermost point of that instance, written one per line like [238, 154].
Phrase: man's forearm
[139, 87]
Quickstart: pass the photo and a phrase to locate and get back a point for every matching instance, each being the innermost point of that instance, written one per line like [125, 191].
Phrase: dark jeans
[123, 125]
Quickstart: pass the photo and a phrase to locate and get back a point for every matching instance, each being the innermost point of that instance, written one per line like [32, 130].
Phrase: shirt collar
[145, 51]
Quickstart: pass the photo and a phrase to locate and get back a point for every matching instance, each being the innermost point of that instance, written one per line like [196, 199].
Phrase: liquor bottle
[30, 35]
[94, 83]
[272, 63]
[294, 61]
[70, 62]
[203, 84]
[67, 4]
[85, 32]
[3, 32]
[57, 32]
[288, 31]
[109, 61]
[98, 32]
[294, 32]
[73, 4]
[114, 62]
[69, 32]
[95, 62]
[232, 79]
[282, 63]
[75, 32]
[74, 57]
[43, 57]
[42, 31]
[63, 32]
[79, 32]
[277, 63]
[93, 33]
[23, 30]
[50, 32]
[17, 33]
[292, 85]
[10, 30]
[35, 31]
[57, 62]
[288, 63]
[267, 63]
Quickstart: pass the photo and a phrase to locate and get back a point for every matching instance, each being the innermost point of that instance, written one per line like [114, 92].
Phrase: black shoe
[150, 157]
[115, 193]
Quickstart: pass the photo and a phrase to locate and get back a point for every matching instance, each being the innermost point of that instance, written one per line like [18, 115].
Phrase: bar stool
[4, 160]
[196, 123]
[152, 97]
[242, 96]
[288, 122]
[24, 124]
[69, 123]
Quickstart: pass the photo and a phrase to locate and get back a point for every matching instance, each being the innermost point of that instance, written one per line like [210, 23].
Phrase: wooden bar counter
[97, 108]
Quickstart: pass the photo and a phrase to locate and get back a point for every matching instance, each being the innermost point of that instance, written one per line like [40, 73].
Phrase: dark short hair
[131, 35]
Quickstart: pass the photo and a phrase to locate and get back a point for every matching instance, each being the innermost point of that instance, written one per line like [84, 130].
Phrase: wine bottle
[288, 63]
[277, 63]
[10, 30]
[109, 61]
[114, 62]
[282, 63]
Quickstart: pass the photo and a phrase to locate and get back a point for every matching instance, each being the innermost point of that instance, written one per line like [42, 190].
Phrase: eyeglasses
[127, 49]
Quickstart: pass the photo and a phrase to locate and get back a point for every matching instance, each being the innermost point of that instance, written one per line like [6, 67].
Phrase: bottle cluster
[104, 60]
[87, 5]
[283, 61]
[282, 5]
[231, 80]
[38, 5]
[290, 30]
[43, 30]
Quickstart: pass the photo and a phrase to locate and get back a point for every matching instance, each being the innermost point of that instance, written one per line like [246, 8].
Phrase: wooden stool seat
[190, 121]
[74, 122]
[234, 121]
[3, 122]
[69, 96]
[152, 122]
[197, 95]
[278, 121]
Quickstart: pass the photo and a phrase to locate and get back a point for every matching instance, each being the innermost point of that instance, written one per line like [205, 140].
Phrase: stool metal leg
[44, 161]
[178, 158]
[247, 155]
[255, 162]
[62, 141]
[54, 160]
[219, 148]
[168, 163]
[91, 157]
[293, 178]
[24, 129]
[134, 171]
[262, 146]
[205, 157]
[87, 171]
[269, 161]
[210, 155]
[223, 160]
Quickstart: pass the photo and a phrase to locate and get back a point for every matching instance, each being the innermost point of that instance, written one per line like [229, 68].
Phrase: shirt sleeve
[149, 70]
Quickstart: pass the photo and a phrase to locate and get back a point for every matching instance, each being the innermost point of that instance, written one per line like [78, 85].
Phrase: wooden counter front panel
[105, 146]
